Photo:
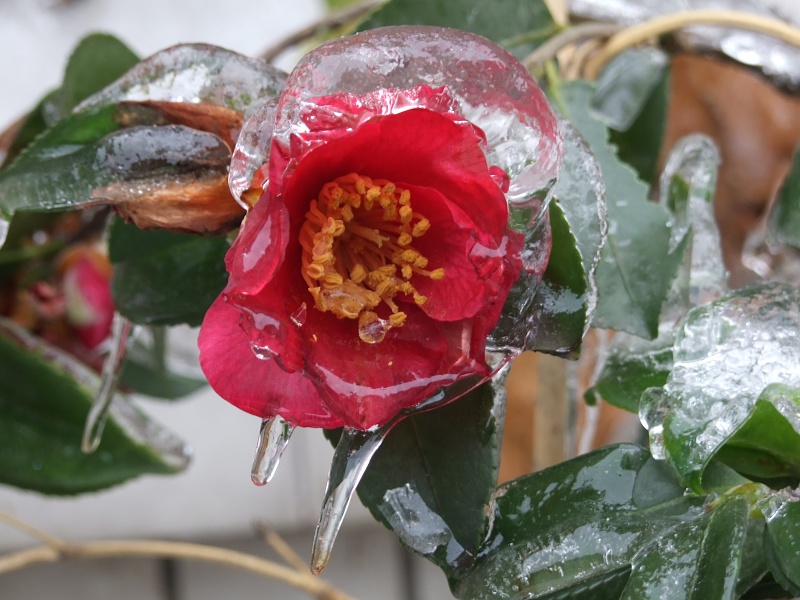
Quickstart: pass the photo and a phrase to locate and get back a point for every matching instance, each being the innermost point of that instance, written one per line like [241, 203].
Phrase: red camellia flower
[401, 204]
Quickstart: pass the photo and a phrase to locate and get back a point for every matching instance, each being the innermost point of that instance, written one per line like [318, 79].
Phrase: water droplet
[298, 317]
[96, 420]
[373, 331]
[272, 440]
[4, 226]
[350, 460]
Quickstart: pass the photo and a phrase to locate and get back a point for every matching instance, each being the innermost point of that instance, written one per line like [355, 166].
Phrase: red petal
[257, 386]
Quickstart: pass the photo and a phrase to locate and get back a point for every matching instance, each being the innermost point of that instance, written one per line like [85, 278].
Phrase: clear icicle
[4, 226]
[96, 420]
[272, 441]
[350, 460]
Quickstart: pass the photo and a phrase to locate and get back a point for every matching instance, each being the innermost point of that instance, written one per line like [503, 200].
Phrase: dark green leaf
[97, 61]
[42, 414]
[767, 446]
[519, 25]
[782, 545]
[696, 560]
[163, 278]
[572, 531]
[637, 268]
[441, 468]
[632, 366]
[784, 223]
[563, 293]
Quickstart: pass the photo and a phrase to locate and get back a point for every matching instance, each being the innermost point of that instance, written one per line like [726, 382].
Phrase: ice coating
[694, 162]
[171, 449]
[726, 354]
[419, 527]
[491, 89]
[273, 438]
[195, 73]
[250, 158]
[4, 226]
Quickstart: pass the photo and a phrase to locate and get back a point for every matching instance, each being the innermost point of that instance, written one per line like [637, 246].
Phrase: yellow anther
[358, 273]
[404, 239]
[420, 299]
[315, 271]
[407, 271]
[332, 278]
[405, 198]
[360, 187]
[437, 274]
[389, 189]
[397, 319]
[405, 214]
[421, 227]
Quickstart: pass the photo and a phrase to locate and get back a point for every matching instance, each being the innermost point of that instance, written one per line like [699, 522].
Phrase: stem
[637, 34]
[575, 33]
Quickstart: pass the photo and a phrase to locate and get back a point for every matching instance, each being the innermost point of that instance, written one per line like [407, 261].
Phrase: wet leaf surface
[782, 545]
[42, 414]
[164, 278]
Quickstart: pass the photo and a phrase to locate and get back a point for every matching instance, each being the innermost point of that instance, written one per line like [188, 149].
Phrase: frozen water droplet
[298, 317]
[350, 460]
[96, 420]
[248, 174]
[419, 527]
[653, 408]
[272, 440]
[373, 331]
[4, 226]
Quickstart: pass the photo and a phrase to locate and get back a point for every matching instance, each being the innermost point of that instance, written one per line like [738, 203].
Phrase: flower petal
[257, 386]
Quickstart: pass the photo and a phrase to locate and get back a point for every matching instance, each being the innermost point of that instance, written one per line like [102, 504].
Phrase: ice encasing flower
[402, 209]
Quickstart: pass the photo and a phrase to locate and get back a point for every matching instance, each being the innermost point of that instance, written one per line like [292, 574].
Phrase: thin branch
[632, 36]
[280, 546]
[574, 34]
[32, 531]
[336, 19]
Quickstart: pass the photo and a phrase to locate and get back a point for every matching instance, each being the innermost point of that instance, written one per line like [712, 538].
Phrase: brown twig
[336, 19]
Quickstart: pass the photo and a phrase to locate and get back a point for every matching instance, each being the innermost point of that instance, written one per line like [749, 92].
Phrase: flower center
[357, 252]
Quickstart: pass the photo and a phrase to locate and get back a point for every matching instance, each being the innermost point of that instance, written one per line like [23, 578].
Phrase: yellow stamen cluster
[357, 253]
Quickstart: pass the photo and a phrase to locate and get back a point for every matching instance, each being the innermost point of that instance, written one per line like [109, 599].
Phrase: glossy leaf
[632, 366]
[42, 412]
[784, 223]
[767, 445]
[563, 295]
[637, 267]
[726, 353]
[164, 278]
[433, 476]
[696, 560]
[782, 545]
[601, 509]
[519, 25]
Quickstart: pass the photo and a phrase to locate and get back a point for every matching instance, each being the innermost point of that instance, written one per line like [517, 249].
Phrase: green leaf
[696, 560]
[726, 354]
[520, 25]
[164, 278]
[573, 530]
[563, 294]
[632, 95]
[782, 545]
[433, 477]
[98, 60]
[42, 414]
[784, 221]
[632, 366]
[767, 446]
[637, 268]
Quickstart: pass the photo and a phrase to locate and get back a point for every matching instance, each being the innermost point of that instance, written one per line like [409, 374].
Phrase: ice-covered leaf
[195, 73]
[637, 267]
[626, 84]
[165, 278]
[573, 530]
[564, 298]
[44, 397]
[697, 560]
[726, 353]
[433, 476]
[519, 25]
[767, 446]
[782, 543]
[632, 366]
[784, 222]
